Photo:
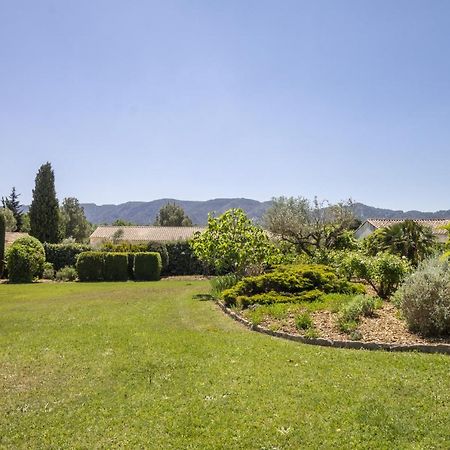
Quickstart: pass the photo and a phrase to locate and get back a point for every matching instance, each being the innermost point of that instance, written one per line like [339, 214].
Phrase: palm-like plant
[409, 239]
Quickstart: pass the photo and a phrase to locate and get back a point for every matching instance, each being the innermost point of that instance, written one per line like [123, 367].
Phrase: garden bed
[385, 330]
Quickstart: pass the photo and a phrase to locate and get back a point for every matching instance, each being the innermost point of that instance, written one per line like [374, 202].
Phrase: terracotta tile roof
[11, 236]
[146, 233]
[435, 225]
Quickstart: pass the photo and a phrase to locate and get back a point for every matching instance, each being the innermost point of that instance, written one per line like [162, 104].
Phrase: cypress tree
[44, 209]
[2, 244]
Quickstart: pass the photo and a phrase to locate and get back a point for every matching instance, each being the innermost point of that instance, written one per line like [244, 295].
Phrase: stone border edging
[425, 348]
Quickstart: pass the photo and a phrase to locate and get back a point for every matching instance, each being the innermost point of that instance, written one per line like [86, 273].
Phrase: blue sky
[138, 100]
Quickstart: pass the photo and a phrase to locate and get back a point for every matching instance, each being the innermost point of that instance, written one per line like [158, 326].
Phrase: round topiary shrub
[424, 298]
[25, 260]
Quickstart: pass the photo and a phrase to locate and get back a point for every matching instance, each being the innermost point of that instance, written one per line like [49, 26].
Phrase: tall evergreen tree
[12, 203]
[44, 209]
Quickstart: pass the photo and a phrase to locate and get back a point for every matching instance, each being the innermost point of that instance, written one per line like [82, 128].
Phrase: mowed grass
[146, 365]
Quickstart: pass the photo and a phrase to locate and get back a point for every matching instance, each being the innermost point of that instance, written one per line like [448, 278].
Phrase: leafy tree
[10, 221]
[25, 223]
[44, 210]
[310, 225]
[231, 243]
[74, 221]
[12, 203]
[172, 215]
[408, 239]
[2, 244]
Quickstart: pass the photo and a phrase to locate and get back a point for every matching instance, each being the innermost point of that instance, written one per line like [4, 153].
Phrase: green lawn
[146, 365]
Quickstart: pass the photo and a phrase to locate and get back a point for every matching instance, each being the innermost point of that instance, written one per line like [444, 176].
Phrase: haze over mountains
[144, 213]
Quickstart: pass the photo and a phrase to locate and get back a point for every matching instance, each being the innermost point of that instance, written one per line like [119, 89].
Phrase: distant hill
[144, 213]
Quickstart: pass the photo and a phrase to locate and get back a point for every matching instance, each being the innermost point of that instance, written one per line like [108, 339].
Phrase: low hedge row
[115, 266]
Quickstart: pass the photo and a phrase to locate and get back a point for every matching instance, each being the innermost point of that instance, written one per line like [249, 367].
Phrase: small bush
[90, 266]
[384, 272]
[303, 322]
[36, 253]
[147, 266]
[116, 266]
[424, 298]
[49, 271]
[66, 274]
[19, 263]
[62, 255]
[221, 283]
[351, 312]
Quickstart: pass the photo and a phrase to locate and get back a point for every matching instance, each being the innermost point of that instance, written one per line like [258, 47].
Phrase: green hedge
[63, 255]
[115, 266]
[90, 266]
[182, 260]
[147, 266]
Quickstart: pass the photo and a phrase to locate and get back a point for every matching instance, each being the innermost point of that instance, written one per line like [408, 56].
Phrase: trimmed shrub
[424, 298]
[159, 247]
[25, 260]
[305, 282]
[49, 271]
[182, 260]
[66, 274]
[62, 255]
[116, 266]
[90, 266]
[19, 262]
[147, 266]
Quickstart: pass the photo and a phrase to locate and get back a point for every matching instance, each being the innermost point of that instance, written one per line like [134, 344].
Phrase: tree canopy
[309, 225]
[12, 202]
[74, 222]
[172, 215]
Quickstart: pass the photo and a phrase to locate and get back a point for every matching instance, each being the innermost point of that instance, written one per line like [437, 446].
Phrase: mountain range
[144, 213]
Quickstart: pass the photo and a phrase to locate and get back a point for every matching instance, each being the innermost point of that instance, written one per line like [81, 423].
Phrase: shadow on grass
[203, 297]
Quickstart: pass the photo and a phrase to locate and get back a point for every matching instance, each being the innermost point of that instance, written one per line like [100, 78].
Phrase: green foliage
[36, 254]
[25, 223]
[49, 271]
[10, 221]
[182, 260]
[172, 215]
[289, 284]
[223, 282]
[147, 266]
[311, 225]
[12, 203]
[122, 223]
[408, 239]
[116, 266]
[351, 312]
[19, 263]
[159, 247]
[232, 243]
[66, 274]
[44, 210]
[2, 244]
[73, 220]
[384, 272]
[424, 298]
[90, 266]
[304, 322]
[62, 255]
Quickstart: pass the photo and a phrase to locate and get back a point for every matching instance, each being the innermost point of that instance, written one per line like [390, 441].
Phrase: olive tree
[309, 225]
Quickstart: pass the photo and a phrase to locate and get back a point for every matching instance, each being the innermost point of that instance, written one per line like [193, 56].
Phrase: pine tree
[12, 203]
[44, 209]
